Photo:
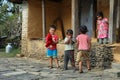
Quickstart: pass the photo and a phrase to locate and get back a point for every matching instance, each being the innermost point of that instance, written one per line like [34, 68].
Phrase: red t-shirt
[53, 45]
[48, 40]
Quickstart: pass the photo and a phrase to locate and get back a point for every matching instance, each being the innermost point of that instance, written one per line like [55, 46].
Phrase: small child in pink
[102, 28]
[83, 44]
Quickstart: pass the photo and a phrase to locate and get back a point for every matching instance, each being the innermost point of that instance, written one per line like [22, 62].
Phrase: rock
[101, 56]
[20, 55]
[113, 72]
[14, 73]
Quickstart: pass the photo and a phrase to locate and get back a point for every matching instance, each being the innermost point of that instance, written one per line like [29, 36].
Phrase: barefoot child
[83, 44]
[51, 45]
[69, 50]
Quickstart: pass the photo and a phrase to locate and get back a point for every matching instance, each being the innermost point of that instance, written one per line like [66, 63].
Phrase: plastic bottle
[8, 48]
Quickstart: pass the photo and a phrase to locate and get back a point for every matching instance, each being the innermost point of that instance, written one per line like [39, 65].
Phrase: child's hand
[96, 30]
[89, 49]
[50, 46]
[69, 37]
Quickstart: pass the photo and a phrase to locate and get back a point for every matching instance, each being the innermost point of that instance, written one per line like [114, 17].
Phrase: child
[69, 50]
[51, 44]
[102, 28]
[83, 44]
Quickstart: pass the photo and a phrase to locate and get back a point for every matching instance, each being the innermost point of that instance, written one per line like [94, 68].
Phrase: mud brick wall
[103, 5]
[116, 52]
[37, 49]
[32, 21]
[53, 11]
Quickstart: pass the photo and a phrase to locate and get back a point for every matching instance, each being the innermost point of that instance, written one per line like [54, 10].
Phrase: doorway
[86, 13]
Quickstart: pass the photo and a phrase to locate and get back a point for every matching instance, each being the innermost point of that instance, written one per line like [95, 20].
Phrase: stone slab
[14, 73]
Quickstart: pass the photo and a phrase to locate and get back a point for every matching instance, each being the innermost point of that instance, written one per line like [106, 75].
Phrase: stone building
[38, 15]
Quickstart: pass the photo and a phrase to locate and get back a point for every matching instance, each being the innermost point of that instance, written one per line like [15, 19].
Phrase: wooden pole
[75, 17]
[24, 35]
[118, 21]
[111, 24]
[118, 14]
[43, 18]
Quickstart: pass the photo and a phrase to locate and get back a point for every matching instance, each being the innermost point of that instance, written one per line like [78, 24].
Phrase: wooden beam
[75, 17]
[118, 14]
[118, 21]
[111, 22]
[43, 18]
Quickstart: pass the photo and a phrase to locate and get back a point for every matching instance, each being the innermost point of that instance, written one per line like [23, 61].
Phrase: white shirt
[68, 46]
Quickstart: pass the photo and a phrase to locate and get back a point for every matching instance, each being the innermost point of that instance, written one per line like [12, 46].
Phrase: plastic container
[8, 48]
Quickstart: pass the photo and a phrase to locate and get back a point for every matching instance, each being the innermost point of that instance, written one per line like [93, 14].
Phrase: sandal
[81, 72]
[58, 67]
[89, 69]
[50, 67]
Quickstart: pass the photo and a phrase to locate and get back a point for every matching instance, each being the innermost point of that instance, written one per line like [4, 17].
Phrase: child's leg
[100, 41]
[80, 61]
[88, 64]
[55, 57]
[71, 56]
[51, 62]
[80, 66]
[57, 63]
[49, 54]
[78, 58]
[105, 40]
[86, 56]
[66, 59]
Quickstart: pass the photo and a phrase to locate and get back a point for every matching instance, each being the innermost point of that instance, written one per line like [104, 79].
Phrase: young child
[51, 44]
[102, 28]
[69, 50]
[83, 44]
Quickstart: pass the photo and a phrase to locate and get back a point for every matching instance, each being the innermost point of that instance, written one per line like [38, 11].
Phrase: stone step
[115, 65]
[115, 73]
[14, 73]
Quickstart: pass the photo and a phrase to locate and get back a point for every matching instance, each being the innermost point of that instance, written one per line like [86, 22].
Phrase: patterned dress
[102, 28]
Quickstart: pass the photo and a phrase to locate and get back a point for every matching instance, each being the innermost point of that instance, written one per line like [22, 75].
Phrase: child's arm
[55, 40]
[106, 20]
[89, 43]
[67, 41]
[77, 43]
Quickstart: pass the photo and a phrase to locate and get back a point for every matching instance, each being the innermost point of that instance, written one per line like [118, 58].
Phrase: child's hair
[69, 31]
[53, 26]
[83, 29]
[100, 14]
